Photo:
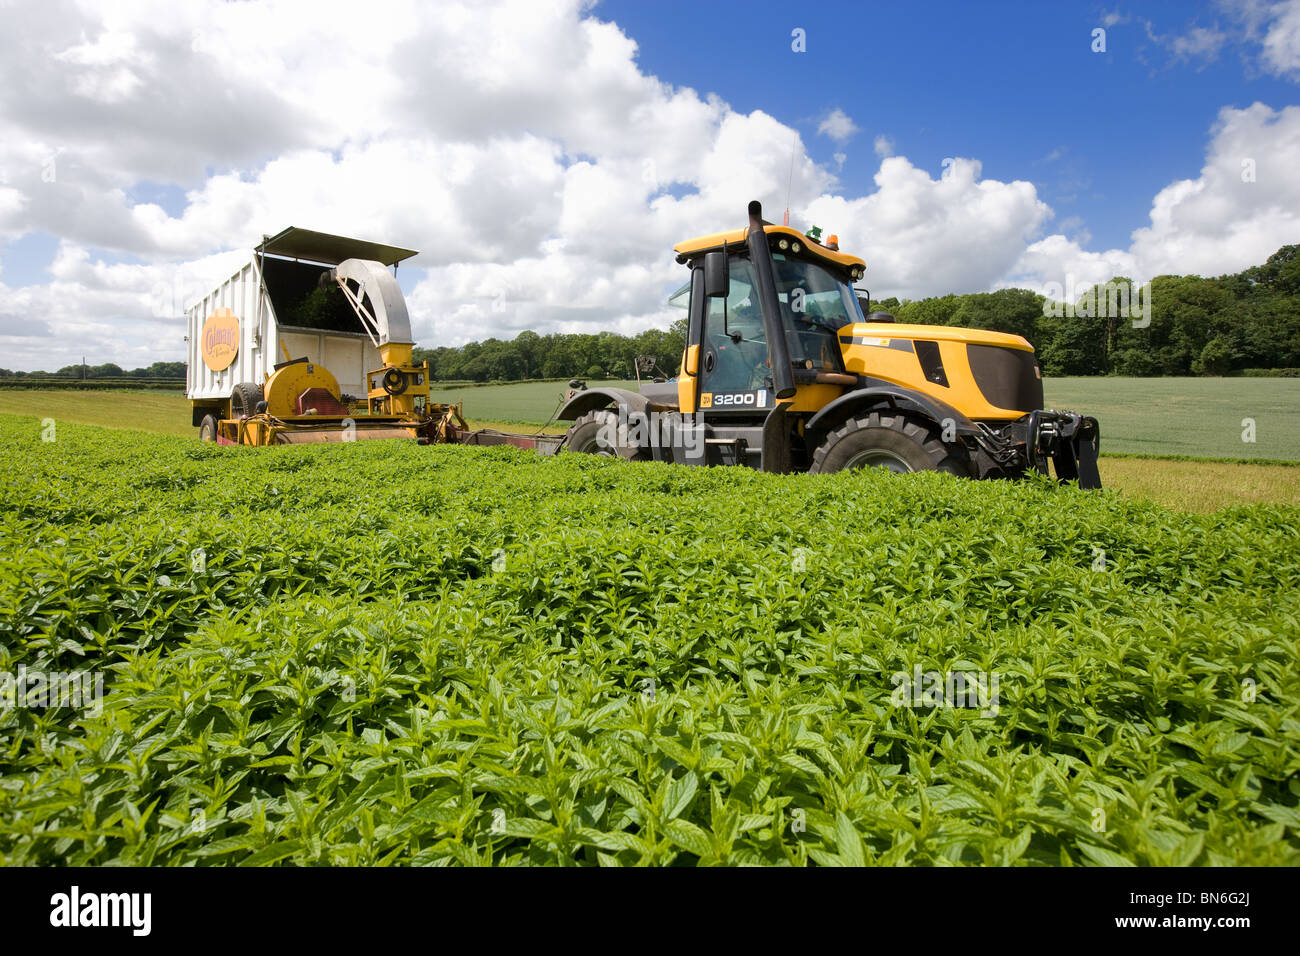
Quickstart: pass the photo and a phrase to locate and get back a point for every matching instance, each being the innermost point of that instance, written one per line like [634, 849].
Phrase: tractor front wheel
[888, 440]
[596, 433]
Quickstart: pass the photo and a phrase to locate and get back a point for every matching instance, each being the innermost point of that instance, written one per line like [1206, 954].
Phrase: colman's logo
[220, 342]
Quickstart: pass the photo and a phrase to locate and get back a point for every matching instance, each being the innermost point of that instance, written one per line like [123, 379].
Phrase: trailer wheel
[208, 428]
[591, 434]
[244, 399]
[888, 440]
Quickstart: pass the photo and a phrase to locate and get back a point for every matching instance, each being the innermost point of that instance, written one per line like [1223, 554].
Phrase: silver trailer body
[274, 313]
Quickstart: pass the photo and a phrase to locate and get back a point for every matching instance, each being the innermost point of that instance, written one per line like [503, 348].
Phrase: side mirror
[717, 277]
[864, 300]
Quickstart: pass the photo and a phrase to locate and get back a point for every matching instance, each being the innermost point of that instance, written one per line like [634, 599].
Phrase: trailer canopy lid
[295, 243]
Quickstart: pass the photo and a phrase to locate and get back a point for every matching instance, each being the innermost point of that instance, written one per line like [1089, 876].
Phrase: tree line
[158, 370]
[1193, 326]
[559, 355]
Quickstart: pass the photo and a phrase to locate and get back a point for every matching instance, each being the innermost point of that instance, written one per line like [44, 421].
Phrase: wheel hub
[879, 458]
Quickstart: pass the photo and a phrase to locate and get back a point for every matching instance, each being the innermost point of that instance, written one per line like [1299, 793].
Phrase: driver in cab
[741, 349]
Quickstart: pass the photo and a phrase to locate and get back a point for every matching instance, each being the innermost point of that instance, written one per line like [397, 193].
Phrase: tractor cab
[732, 371]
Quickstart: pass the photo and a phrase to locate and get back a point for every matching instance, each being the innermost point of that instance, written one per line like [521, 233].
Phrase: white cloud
[924, 236]
[1281, 43]
[1201, 43]
[1217, 223]
[838, 126]
[1065, 263]
[1267, 31]
[1196, 45]
[123, 313]
[531, 161]
[1075, 228]
[883, 146]
[921, 235]
[108, 67]
[11, 204]
[382, 189]
[1220, 222]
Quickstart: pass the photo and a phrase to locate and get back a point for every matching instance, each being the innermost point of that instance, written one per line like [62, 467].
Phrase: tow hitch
[1070, 440]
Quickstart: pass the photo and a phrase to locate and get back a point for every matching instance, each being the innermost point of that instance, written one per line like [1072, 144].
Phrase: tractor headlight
[783, 245]
[795, 247]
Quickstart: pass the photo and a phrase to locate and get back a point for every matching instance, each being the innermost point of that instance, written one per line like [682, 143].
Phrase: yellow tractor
[787, 369]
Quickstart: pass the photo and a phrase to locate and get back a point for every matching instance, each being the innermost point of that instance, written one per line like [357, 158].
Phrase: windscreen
[814, 306]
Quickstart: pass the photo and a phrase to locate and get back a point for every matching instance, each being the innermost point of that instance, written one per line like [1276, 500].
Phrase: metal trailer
[309, 341]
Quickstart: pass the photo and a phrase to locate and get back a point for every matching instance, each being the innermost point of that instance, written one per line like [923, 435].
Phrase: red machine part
[319, 401]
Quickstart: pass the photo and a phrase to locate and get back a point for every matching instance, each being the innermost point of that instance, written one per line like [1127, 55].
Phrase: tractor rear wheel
[888, 440]
[596, 433]
[244, 399]
[208, 428]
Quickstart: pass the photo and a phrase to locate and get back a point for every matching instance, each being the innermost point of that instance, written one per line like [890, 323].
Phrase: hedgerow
[380, 653]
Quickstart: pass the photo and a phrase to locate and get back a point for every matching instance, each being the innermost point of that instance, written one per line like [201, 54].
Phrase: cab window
[735, 352]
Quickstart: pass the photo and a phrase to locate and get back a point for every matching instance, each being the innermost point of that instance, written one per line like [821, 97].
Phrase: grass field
[378, 653]
[1201, 485]
[1196, 417]
[1187, 416]
[491, 406]
[162, 413]
[526, 403]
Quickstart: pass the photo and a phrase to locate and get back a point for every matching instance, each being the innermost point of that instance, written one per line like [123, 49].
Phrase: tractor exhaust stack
[760, 255]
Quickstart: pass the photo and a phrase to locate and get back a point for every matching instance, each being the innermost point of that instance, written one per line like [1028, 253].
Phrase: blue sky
[1014, 85]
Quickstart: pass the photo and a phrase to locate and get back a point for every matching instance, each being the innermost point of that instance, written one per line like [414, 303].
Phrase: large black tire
[244, 399]
[208, 428]
[588, 435]
[891, 440]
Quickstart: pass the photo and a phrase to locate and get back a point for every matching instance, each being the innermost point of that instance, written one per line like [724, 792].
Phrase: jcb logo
[706, 400]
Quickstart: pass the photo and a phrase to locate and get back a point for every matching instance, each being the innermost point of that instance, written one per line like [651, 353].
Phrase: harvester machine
[310, 341]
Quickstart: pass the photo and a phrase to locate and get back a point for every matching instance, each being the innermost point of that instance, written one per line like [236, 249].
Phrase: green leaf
[847, 841]
[680, 793]
[1103, 857]
[689, 837]
[273, 853]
